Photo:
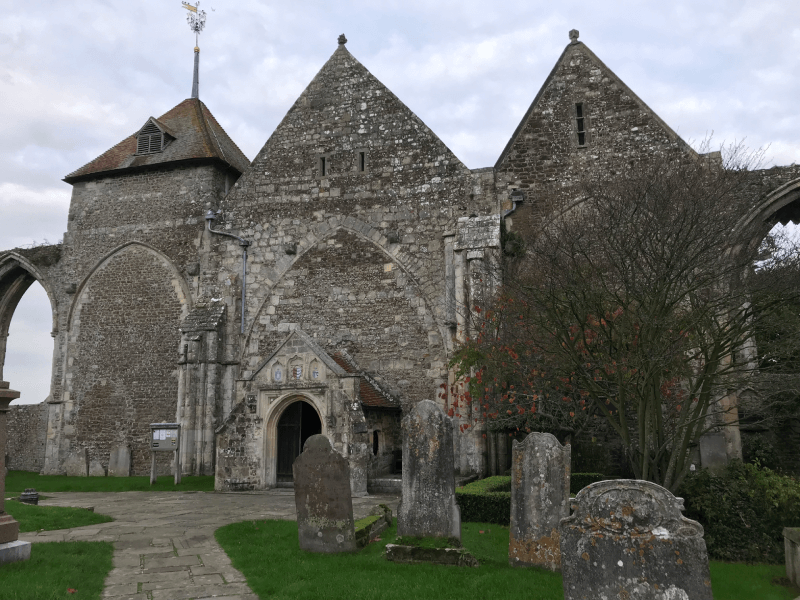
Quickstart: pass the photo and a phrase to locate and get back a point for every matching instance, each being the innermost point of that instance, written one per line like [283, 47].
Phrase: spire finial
[197, 20]
[342, 40]
[573, 36]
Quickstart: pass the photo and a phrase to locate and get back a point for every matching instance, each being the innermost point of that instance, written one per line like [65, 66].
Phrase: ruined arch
[781, 205]
[17, 274]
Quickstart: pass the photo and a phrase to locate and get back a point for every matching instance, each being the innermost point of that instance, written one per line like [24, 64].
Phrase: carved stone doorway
[297, 423]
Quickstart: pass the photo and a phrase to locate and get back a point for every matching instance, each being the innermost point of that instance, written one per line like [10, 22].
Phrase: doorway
[297, 423]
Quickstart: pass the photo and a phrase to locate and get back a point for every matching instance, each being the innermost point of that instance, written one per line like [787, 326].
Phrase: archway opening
[297, 423]
[29, 347]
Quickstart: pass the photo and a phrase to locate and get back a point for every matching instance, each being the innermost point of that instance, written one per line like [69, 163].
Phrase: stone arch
[178, 282]
[393, 253]
[328, 291]
[123, 332]
[273, 414]
[777, 204]
[17, 274]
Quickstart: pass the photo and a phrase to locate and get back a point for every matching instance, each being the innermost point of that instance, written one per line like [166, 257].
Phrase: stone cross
[540, 470]
[627, 538]
[11, 549]
[322, 497]
[573, 36]
[428, 506]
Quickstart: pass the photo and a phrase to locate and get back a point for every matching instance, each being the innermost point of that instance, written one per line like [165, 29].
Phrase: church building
[320, 288]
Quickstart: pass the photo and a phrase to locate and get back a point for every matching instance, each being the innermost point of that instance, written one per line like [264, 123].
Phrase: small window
[324, 167]
[150, 140]
[375, 443]
[361, 160]
[581, 124]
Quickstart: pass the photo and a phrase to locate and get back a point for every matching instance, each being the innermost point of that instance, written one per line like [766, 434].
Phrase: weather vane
[196, 19]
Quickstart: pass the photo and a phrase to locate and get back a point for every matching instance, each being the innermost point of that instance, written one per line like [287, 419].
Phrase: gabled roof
[197, 136]
[370, 392]
[571, 48]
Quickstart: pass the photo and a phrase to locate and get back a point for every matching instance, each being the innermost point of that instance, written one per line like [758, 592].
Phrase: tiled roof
[370, 392]
[197, 135]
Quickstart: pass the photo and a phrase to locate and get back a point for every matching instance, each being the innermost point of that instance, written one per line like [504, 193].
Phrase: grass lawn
[55, 568]
[46, 518]
[17, 481]
[268, 554]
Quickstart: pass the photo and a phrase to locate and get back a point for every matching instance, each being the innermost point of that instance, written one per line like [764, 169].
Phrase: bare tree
[635, 307]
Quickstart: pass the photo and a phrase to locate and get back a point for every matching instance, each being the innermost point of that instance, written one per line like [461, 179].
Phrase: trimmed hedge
[578, 481]
[743, 511]
[489, 500]
[486, 500]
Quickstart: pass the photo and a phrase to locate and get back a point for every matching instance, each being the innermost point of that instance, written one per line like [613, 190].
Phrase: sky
[78, 77]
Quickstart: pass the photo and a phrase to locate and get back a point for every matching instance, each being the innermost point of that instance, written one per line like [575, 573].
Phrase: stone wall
[26, 426]
[355, 257]
[545, 157]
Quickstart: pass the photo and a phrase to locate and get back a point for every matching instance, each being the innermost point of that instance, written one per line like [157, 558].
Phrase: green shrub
[743, 511]
[578, 481]
[482, 501]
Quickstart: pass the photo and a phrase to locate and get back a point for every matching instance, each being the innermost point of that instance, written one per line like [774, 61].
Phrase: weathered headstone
[540, 470]
[119, 462]
[11, 549]
[428, 506]
[628, 539]
[96, 469]
[77, 463]
[322, 497]
[713, 452]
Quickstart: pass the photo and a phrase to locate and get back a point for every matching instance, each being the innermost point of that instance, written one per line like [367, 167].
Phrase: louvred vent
[150, 140]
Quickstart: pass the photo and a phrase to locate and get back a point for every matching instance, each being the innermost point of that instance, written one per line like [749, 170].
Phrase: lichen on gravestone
[428, 506]
[628, 538]
[322, 498]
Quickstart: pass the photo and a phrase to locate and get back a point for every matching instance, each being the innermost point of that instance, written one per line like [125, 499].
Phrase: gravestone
[11, 549]
[119, 462]
[77, 463]
[322, 497]
[713, 452]
[96, 469]
[428, 506]
[628, 539]
[540, 470]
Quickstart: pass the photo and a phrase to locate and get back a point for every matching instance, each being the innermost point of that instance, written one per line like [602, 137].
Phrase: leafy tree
[633, 308]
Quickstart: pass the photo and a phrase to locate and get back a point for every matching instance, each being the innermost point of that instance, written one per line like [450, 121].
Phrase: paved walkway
[164, 546]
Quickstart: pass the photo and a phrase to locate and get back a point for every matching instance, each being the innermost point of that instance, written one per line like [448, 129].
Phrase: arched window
[375, 442]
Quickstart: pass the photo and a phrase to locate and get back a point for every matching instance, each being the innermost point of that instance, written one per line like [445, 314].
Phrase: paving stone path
[164, 546]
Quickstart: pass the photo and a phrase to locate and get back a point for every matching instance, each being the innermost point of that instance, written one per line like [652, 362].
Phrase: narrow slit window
[362, 161]
[323, 166]
[581, 124]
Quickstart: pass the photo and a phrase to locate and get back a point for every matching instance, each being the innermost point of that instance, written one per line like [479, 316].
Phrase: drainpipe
[210, 216]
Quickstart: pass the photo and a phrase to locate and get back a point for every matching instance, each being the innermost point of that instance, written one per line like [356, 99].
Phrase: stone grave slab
[119, 462]
[627, 538]
[77, 463]
[96, 469]
[540, 474]
[322, 497]
[428, 506]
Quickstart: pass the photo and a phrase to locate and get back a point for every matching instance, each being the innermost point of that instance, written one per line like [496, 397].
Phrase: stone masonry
[363, 231]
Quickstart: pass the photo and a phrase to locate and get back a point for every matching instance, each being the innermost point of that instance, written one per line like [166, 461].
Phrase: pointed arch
[178, 282]
[393, 252]
[17, 274]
